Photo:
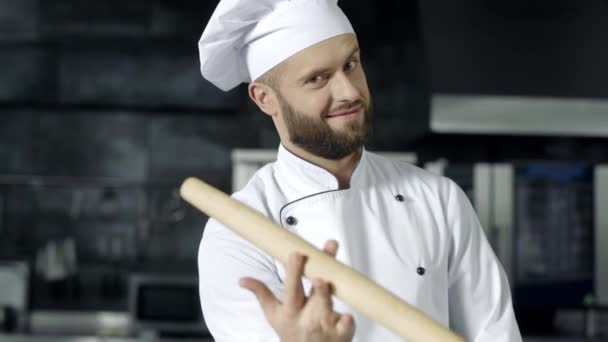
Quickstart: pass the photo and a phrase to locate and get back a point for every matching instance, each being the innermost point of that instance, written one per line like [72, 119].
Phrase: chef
[410, 231]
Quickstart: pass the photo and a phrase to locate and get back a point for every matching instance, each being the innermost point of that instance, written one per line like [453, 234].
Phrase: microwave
[165, 305]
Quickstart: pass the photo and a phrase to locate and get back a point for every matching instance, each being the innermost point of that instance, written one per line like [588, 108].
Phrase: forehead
[330, 52]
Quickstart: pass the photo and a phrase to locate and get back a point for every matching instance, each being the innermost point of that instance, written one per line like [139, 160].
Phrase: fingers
[299, 314]
[321, 307]
[331, 247]
[268, 301]
[294, 298]
[320, 304]
[322, 294]
[346, 326]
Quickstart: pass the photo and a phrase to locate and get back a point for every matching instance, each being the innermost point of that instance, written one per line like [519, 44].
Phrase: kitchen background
[103, 113]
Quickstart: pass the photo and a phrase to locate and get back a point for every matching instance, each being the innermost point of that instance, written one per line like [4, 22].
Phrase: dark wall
[124, 75]
[518, 47]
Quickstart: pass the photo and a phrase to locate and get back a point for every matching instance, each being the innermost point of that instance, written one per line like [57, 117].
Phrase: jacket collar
[307, 178]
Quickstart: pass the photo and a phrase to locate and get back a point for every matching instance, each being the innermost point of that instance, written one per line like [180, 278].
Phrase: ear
[264, 98]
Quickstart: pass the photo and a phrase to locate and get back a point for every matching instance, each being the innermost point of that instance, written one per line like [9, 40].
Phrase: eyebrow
[323, 70]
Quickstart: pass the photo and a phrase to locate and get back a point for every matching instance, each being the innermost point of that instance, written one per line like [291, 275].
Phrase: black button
[420, 270]
[399, 198]
[291, 221]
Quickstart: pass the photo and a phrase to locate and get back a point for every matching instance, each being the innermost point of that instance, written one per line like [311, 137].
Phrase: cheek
[317, 104]
[361, 82]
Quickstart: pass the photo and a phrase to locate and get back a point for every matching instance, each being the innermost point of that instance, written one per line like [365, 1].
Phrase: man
[412, 232]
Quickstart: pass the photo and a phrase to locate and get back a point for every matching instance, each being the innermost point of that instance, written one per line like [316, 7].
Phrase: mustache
[349, 105]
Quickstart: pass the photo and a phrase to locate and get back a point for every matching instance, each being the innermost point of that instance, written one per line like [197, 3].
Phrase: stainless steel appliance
[165, 304]
[548, 225]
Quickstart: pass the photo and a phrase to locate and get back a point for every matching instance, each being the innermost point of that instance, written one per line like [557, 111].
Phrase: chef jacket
[413, 232]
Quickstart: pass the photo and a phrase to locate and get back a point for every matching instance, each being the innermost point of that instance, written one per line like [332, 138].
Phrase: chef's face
[323, 99]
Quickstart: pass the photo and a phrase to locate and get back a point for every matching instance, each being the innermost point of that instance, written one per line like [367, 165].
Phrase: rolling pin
[351, 286]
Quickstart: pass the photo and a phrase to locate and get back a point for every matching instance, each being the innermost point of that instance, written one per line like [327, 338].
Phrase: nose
[343, 88]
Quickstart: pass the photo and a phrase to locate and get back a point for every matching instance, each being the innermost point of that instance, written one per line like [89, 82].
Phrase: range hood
[519, 115]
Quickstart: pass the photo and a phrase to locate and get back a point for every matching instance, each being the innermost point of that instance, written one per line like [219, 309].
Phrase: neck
[342, 169]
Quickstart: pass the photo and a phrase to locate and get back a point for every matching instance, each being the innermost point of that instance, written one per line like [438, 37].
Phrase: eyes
[351, 65]
[321, 78]
[317, 79]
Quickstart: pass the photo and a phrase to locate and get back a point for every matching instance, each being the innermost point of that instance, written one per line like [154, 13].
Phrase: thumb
[266, 298]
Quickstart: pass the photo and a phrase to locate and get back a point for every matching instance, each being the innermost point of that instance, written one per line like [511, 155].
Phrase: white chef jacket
[413, 232]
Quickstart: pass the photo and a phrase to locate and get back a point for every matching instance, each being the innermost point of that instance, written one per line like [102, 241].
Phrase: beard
[315, 136]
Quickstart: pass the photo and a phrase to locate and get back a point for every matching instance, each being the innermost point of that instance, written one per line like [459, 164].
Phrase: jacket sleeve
[232, 313]
[481, 308]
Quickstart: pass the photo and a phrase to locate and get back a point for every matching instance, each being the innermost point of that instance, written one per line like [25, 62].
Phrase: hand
[299, 318]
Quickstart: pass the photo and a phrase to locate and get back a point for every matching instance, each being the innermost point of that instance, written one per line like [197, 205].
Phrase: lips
[345, 112]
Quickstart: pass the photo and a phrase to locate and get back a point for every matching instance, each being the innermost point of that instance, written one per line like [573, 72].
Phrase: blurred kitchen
[104, 113]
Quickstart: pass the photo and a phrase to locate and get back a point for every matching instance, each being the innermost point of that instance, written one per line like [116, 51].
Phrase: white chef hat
[246, 38]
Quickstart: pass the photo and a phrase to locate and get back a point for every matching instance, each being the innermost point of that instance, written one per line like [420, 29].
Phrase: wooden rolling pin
[350, 286]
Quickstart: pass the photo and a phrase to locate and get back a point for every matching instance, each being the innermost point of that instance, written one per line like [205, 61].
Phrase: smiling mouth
[346, 112]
